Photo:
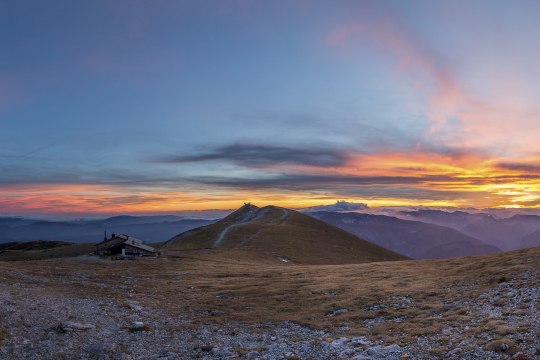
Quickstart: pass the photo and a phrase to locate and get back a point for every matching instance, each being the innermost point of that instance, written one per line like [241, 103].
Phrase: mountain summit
[275, 234]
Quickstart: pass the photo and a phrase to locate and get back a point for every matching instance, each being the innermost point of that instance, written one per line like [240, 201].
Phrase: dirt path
[222, 235]
[247, 217]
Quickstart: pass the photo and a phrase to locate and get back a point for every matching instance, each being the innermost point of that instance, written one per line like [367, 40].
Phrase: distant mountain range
[416, 233]
[415, 239]
[531, 239]
[507, 233]
[275, 234]
[147, 228]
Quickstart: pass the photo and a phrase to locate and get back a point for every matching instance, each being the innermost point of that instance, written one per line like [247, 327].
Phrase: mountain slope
[453, 219]
[148, 228]
[40, 250]
[272, 233]
[414, 239]
[504, 233]
[132, 220]
[531, 240]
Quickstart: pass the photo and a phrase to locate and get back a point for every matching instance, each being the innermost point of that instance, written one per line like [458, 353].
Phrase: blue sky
[121, 103]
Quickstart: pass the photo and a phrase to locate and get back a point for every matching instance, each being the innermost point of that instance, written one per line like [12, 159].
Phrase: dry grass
[414, 298]
[51, 253]
[4, 335]
[283, 232]
[138, 328]
[499, 327]
[503, 345]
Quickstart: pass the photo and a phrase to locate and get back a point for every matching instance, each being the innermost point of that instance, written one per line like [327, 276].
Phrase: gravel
[45, 325]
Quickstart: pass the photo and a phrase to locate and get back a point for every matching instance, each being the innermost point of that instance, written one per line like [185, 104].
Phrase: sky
[133, 106]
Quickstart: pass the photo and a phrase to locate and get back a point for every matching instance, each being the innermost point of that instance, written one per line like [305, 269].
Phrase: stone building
[124, 245]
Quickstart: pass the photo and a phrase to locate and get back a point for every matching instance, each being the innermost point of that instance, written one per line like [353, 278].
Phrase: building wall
[102, 248]
[115, 248]
[131, 250]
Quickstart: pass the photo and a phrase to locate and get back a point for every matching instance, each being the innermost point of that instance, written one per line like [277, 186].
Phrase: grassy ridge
[273, 232]
[41, 250]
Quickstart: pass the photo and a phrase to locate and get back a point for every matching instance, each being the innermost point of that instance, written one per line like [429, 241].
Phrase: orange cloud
[385, 178]
[71, 199]
[468, 179]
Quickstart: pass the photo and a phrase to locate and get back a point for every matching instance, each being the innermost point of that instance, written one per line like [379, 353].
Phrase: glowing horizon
[168, 107]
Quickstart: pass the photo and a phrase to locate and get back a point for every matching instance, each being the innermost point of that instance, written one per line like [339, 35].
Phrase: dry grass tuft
[139, 328]
[503, 345]
[206, 348]
[4, 335]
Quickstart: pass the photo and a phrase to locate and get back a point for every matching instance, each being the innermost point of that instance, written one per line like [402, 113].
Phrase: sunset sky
[158, 106]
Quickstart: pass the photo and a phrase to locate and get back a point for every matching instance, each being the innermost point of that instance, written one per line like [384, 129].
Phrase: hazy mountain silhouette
[506, 233]
[531, 239]
[148, 228]
[414, 239]
[454, 219]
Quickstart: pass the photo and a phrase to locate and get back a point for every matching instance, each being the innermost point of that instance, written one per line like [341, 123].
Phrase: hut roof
[126, 239]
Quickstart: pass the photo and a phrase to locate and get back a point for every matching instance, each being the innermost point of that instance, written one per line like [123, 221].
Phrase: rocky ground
[68, 328]
[501, 323]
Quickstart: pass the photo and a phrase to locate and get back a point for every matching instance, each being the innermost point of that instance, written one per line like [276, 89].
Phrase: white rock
[454, 352]
[253, 355]
[360, 341]
[338, 312]
[382, 351]
[134, 306]
[74, 326]
[361, 357]
[137, 324]
[340, 342]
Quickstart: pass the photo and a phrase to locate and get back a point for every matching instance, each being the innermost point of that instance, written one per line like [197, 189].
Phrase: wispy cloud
[311, 181]
[412, 57]
[264, 156]
[459, 116]
[519, 166]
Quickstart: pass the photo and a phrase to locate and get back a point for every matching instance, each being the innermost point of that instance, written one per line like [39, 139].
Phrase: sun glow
[382, 179]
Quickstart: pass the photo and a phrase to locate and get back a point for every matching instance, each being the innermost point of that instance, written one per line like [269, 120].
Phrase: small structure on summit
[125, 246]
